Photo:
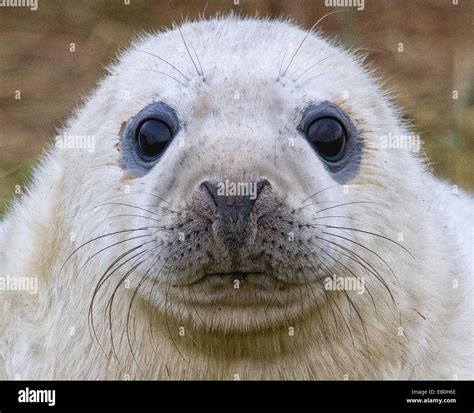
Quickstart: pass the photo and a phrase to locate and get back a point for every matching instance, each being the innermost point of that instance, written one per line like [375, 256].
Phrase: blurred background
[35, 59]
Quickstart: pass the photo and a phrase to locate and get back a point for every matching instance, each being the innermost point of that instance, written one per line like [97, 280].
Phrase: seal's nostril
[234, 201]
[225, 192]
[261, 184]
[210, 188]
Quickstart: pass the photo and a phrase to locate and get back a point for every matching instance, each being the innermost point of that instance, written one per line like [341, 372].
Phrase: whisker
[198, 60]
[338, 262]
[372, 270]
[92, 329]
[189, 53]
[110, 246]
[281, 63]
[165, 61]
[150, 299]
[134, 267]
[159, 72]
[351, 303]
[366, 248]
[153, 195]
[97, 238]
[341, 216]
[327, 272]
[138, 216]
[316, 301]
[328, 297]
[104, 276]
[167, 300]
[373, 234]
[338, 206]
[369, 268]
[320, 191]
[308, 80]
[310, 31]
[109, 304]
[137, 207]
[127, 324]
[354, 242]
[128, 273]
[306, 71]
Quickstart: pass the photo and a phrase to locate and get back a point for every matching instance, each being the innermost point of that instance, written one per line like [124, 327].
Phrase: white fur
[424, 333]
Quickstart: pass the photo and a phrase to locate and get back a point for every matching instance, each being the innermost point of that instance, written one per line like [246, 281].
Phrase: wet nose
[234, 201]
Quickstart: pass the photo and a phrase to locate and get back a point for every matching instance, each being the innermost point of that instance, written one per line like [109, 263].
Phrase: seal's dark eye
[328, 137]
[152, 137]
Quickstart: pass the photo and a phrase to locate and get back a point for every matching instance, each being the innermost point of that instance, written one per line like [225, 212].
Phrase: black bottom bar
[202, 396]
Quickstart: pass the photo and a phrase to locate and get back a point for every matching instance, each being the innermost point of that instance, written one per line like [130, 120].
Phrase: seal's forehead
[216, 49]
[227, 45]
[265, 60]
[225, 48]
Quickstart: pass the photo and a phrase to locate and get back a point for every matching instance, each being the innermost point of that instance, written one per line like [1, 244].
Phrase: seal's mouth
[234, 275]
[222, 288]
[226, 277]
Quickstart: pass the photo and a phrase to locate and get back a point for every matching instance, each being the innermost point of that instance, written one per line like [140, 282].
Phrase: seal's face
[243, 154]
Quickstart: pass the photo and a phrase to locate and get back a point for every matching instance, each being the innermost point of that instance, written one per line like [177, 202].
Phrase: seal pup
[240, 216]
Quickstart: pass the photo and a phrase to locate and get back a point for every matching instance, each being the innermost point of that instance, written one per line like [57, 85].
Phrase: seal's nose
[234, 201]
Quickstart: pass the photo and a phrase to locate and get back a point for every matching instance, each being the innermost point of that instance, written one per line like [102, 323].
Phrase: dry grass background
[438, 58]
